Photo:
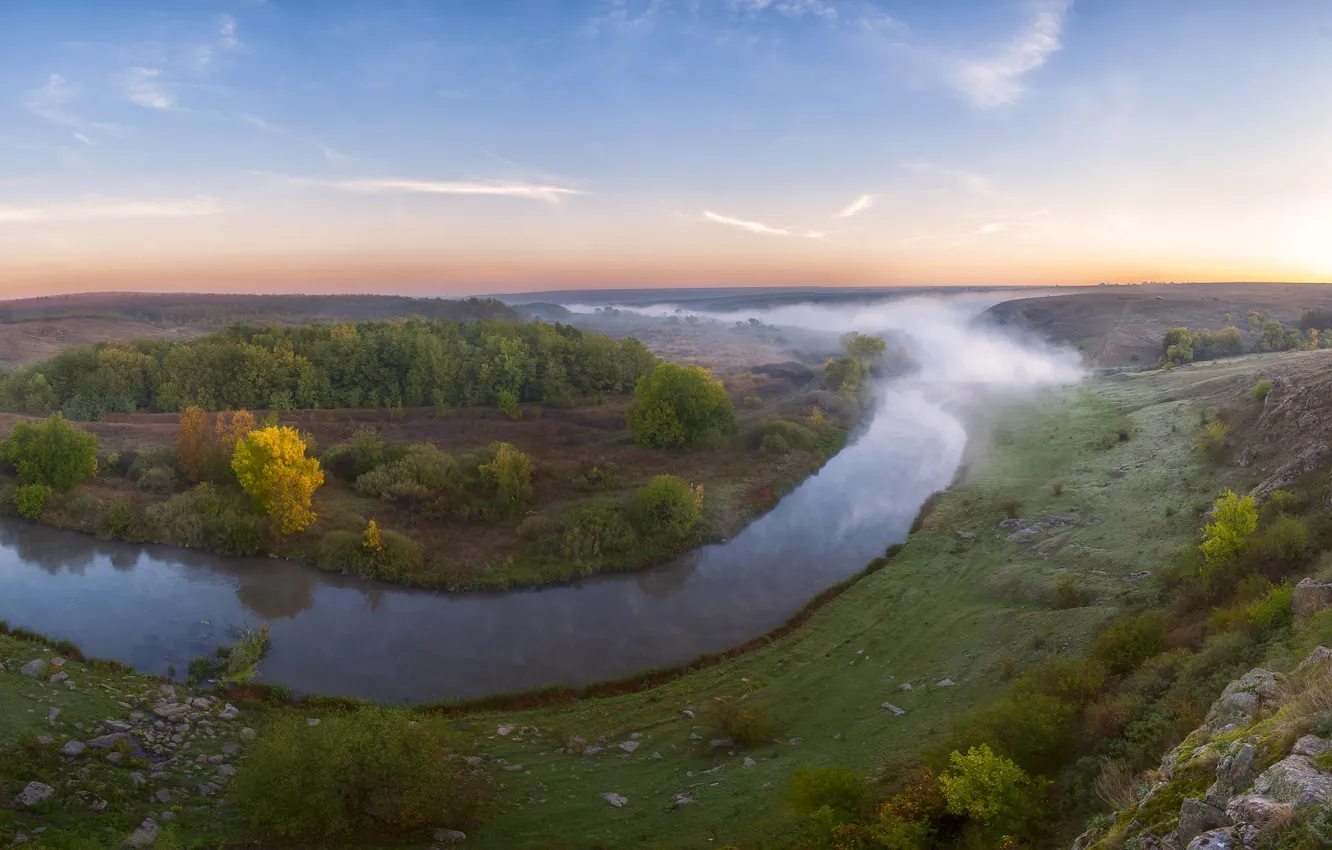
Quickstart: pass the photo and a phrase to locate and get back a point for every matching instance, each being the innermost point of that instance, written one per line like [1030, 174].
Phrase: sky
[470, 146]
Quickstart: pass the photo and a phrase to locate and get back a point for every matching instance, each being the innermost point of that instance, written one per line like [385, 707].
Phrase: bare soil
[25, 343]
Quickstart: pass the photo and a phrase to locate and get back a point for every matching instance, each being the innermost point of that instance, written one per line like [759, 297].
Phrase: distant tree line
[410, 362]
[1181, 345]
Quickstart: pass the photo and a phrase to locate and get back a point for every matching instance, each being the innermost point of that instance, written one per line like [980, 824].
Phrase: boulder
[1195, 818]
[629, 746]
[1313, 660]
[1311, 746]
[615, 799]
[32, 794]
[1257, 809]
[1310, 597]
[1243, 697]
[897, 712]
[1234, 773]
[229, 712]
[107, 742]
[448, 836]
[1295, 780]
[1218, 839]
[73, 748]
[144, 836]
[34, 669]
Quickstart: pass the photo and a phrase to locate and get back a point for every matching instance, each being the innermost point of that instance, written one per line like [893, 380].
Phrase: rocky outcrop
[1310, 597]
[1314, 457]
[1242, 698]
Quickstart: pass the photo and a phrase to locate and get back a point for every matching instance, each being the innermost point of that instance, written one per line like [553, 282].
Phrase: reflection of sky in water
[153, 606]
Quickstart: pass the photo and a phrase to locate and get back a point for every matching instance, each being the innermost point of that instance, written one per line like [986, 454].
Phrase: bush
[596, 528]
[183, 519]
[665, 507]
[1068, 593]
[680, 406]
[537, 527]
[832, 786]
[396, 556]
[779, 436]
[30, 500]
[1011, 508]
[1234, 519]
[1212, 441]
[119, 517]
[366, 772]
[350, 460]
[842, 375]
[159, 480]
[1261, 389]
[743, 721]
[1130, 641]
[1273, 610]
[423, 472]
[508, 476]
[51, 452]
[753, 401]
[1057, 486]
[1281, 547]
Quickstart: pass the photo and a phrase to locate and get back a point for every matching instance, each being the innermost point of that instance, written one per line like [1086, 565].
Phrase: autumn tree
[680, 406]
[272, 467]
[52, 453]
[196, 443]
[232, 427]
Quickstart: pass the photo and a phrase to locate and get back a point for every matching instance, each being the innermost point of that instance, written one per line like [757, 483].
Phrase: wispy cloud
[859, 205]
[333, 155]
[225, 41]
[53, 101]
[94, 208]
[383, 186]
[146, 87]
[759, 227]
[260, 124]
[996, 79]
[791, 8]
[977, 184]
[82, 138]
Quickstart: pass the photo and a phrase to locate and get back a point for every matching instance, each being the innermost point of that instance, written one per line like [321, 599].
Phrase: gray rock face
[1195, 818]
[629, 746]
[1243, 697]
[73, 748]
[1313, 660]
[107, 742]
[1218, 839]
[32, 794]
[615, 799]
[1306, 461]
[1310, 597]
[144, 836]
[897, 712]
[1256, 809]
[230, 712]
[34, 669]
[1295, 780]
[1311, 745]
[1234, 773]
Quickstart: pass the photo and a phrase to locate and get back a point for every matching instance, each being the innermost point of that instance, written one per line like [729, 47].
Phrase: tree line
[1181, 345]
[409, 363]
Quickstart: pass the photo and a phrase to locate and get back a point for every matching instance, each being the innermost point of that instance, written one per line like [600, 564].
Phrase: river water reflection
[152, 606]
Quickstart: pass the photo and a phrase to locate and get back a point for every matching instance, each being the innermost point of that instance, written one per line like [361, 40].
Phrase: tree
[509, 475]
[863, 347]
[989, 789]
[843, 375]
[1234, 520]
[196, 445]
[683, 406]
[666, 505]
[272, 467]
[51, 452]
[232, 428]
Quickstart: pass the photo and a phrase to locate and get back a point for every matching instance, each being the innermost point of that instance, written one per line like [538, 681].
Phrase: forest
[399, 363]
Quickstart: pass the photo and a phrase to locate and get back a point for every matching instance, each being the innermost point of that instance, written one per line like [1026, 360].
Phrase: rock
[115, 758]
[1217, 839]
[1310, 597]
[163, 795]
[1313, 660]
[897, 712]
[1234, 773]
[1295, 780]
[795, 741]
[1195, 818]
[593, 750]
[107, 742]
[721, 743]
[226, 770]
[615, 799]
[945, 682]
[504, 731]
[73, 748]
[687, 713]
[34, 669]
[248, 734]
[1311, 745]
[1243, 697]
[309, 721]
[1256, 809]
[448, 836]
[144, 836]
[62, 676]
[629, 746]
[749, 762]
[32, 794]
[965, 535]
[52, 715]
[694, 736]
[89, 801]
[137, 778]
[513, 767]
[473, 761]
[682, 800]
[116, 726]
[230, 712]
[170, 710]
[230, 748]
[905, 687]
[1305, 462]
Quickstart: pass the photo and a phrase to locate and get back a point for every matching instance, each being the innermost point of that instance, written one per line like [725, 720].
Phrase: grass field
[1108, 487]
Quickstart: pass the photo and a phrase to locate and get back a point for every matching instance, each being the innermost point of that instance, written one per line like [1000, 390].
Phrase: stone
[144, 836]
[897, 712]
[34, 669]
[116, 726]
[312, 721]
[137, 778]
[1217, 839]
[1195, 818]
[1295, 780]
[615, 799]
[1234, 773]
[749, 762]
[59, 677]
[629, 746]
[73, 748]
[945, 683]
[1243, 697]
[795, 741]
[721, 743]
[248, 734]
[115, 758]
[593, 750]
[1311, 745]
[107, 742]
[226, 770]
[1256, 809]
[163, 795]
[905, 687]
[1310, 596]
[89, 801]
[687, 713]
[504, 731]
[230, 712]
[52, 715]
[1313, 660]
[170, 710]
[965, 535]
[448, 836]
[514, 768]
[32, 794]
[682, 800]
[230, 748]
[473, 761]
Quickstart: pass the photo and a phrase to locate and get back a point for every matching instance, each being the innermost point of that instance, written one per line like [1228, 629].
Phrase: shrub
[665, 507]
[183, 520]
[1273, 610]
[119, 517]
[508, 476]
[1282, 546]
[1212, 441]
[770, 434]
[745, 722]
[1234, 519]
[159, 480]
[1068, 593]
[366, 772]
[1130, 641]
[1261, 389]
[596, 528]
[350, 460]
[1057, 486]
[51, 452]
[30, 500]
[753, 401]
[537, 527]
[842, 375]
[242, 657]
[832, 786]
[1011, 508]
[423, 472]
[396, 557]
[680, 406]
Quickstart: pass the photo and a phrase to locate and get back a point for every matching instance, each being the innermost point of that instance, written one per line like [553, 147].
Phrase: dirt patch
[25, 343]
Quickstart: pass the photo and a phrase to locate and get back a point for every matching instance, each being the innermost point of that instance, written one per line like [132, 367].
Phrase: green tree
[680, 406]
[863, 347]
[990, 790]
[667, 506]
[509, 476]
[51, 452]
[843, 375]
[1234, 519]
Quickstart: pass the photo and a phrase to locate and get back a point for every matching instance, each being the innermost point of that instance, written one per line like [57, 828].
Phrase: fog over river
[153, 606]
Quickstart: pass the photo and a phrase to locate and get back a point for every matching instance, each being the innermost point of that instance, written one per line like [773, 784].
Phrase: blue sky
[468, 146]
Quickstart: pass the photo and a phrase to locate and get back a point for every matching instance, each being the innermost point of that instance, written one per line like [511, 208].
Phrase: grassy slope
[943, 607]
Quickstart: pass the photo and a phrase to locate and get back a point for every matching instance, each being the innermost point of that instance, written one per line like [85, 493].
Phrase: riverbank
[969, 600]
[581, 458]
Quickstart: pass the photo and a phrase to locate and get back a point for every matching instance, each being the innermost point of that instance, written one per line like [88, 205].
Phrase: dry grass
[1117, 785]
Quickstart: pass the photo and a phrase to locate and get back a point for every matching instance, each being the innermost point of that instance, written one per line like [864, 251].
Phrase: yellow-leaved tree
[271, 466]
